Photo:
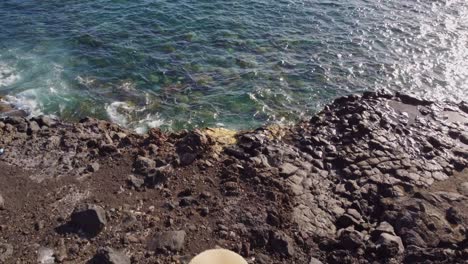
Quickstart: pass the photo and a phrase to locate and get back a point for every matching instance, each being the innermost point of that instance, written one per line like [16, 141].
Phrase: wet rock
[89, 219]
[110, 256]
[282, 244]
[287, 169]
[6, 251]
[170, 240]
[389, 245]
[143, 165]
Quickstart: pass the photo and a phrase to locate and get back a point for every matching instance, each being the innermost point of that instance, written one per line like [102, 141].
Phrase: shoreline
[376, 177]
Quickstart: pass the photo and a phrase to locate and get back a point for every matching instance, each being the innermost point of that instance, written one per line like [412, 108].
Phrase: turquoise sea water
[239, 64]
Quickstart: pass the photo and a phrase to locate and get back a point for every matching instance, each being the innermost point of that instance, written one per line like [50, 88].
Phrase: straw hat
[218, 256]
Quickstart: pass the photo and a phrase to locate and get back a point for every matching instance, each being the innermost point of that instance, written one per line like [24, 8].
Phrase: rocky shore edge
[372, 178]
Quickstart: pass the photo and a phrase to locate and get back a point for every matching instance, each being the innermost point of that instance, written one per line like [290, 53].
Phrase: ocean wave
[8, 75]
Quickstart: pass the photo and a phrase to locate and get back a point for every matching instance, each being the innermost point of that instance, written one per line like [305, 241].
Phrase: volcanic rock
[89, 219]
[170, 240]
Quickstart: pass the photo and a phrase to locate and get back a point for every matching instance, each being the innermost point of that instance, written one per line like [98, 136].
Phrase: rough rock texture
[377, 178]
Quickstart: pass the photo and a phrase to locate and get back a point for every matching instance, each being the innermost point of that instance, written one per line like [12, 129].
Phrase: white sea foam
[119, 112]
[128, 115]
[8, 75]
[26, 101]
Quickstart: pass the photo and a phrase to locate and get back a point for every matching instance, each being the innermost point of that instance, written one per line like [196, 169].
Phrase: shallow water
[189, 63]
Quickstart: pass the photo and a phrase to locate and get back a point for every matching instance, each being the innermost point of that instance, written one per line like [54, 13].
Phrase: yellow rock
[221, 137]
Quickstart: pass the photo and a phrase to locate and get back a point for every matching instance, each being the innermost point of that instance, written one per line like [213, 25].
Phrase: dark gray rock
[110, 256]
[89, 219]
[170, 240]
[282, 244]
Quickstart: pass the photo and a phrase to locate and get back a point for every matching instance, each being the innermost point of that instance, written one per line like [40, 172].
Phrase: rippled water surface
[239, 64]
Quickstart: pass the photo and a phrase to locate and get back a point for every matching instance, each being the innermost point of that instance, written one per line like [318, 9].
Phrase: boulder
[169, 240]
[89, 219]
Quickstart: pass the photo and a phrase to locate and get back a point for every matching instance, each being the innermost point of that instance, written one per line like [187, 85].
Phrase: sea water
[228, 63]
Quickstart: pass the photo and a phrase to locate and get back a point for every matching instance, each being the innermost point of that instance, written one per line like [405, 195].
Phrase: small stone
[287, 169]
[110, 256]
[39, 225]
[2, 203]
[89, 219]
[134, 181]
[204, 211]
[282, 244]
[170, 240]
[93, 167]
[45, 256]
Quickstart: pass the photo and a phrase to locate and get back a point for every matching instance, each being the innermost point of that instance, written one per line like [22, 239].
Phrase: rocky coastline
[372, 178]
